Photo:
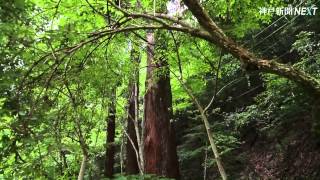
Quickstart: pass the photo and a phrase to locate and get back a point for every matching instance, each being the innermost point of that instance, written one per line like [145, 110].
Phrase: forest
[159, 89]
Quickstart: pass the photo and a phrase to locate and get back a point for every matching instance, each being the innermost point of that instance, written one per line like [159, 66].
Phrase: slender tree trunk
[85, 153]
[208, 129]
[131, 158]
[85, 150]
[159, 143]
[110, 149]
[83, 167]
[137, 127]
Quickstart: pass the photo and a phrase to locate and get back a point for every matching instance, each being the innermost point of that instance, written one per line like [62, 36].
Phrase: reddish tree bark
[159, 144]
[110, 149]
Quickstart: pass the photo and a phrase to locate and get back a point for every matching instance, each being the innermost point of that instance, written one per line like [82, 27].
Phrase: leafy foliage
[57, 80]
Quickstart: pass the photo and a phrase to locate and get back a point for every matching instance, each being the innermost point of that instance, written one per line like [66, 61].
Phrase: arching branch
[247, 58]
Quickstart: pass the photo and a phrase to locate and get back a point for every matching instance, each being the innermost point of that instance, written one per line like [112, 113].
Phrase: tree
[59, 66]
[214, 34]
[159, 143]
[110, 142]
[132, 166]
[249, 61]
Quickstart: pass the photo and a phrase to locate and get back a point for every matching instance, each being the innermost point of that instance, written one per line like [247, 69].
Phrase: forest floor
[286, 152]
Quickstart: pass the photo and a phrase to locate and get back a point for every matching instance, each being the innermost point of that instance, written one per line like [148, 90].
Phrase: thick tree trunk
[110, 149]
[159, 143]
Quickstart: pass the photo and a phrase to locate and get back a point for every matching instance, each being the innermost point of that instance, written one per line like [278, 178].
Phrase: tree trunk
[159, 143]
[208, 130]
[131, 161]
[131, 157]
[83, 167]
[110, 149]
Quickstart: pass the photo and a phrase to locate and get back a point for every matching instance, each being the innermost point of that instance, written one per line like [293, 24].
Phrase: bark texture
[110, 149]
[159, 144]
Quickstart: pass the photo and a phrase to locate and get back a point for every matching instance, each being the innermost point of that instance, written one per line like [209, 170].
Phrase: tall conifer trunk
[111, 125]
[159, 143]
